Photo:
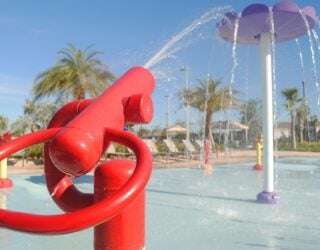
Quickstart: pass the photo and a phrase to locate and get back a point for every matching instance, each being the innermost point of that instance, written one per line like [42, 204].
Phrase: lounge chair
[199, 143]
[151, 145]
[171, 146]
[111, 149]
[189, 146]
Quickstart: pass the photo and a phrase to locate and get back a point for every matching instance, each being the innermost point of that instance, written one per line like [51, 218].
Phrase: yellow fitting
[3, 169]
[259, 153]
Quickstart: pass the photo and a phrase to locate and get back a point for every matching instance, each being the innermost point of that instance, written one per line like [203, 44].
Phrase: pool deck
[232, 157]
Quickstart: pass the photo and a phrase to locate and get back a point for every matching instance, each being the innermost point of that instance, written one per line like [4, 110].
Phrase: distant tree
[143, 132]
[209, 92]
[78, 74]
[302, 117]
[314, 124]
[4, 121]
[251, 115]
[292, 103]
[35, 116]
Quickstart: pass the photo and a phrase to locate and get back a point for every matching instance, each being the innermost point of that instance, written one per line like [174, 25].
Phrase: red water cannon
[76, 138]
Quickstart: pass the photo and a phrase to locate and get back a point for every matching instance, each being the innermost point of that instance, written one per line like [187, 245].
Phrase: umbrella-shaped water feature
[263, 25]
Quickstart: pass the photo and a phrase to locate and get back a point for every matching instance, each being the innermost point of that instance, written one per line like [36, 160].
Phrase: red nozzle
[75, 159]
[138, 109]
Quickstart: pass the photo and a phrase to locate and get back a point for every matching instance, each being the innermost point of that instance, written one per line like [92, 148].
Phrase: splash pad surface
[187, 210]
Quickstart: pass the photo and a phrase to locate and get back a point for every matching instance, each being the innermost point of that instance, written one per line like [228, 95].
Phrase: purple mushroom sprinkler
[263, 25]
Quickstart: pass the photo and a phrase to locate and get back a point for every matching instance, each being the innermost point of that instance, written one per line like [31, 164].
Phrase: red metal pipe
[107, 111]
[76, 138]
[92, 215]
[25, 141]
[126, 230]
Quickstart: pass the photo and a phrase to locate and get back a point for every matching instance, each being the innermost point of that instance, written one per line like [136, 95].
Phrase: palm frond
[77, 73]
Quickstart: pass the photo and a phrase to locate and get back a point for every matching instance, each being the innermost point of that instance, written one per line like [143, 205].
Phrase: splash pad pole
[264, 25]
[268, 195]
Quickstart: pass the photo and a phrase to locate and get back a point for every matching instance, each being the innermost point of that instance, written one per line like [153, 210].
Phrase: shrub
[302, 147]
[121, 149]
[162, 148]
[34, 152]
[180, 146]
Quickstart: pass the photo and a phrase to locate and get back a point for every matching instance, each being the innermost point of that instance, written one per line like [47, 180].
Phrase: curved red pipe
[129, 94]
[94, 214]
[77, 136]
[25, 141]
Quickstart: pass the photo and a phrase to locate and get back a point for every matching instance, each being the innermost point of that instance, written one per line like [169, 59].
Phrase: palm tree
[3, 124]
[292, 101]
[302, 115]
[77, 74]
[251, 115]
[210, 96]
[35, 116]
[314, 125]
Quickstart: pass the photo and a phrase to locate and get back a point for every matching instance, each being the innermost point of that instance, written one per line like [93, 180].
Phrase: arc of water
[165, 52]
[234, 55]
[317, 42]
[232, 80]
[313, 56]
[316, 37]
[301, 59]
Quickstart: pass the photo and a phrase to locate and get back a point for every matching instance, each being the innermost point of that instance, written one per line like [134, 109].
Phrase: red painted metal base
[258, 167]
[6, 183]
[77, 136]
[126, 231]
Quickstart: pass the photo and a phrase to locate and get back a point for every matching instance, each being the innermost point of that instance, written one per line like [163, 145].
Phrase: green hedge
[180, 146]
[162, 148]
[121, 149]
[302, 147]
[34, 152]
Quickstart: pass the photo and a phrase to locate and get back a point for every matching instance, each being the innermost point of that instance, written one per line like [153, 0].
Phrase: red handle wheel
[88, 216]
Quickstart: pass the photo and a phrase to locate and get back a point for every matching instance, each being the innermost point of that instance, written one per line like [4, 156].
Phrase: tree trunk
[227, 134]
[246, 136]
[301, 128]
[80, 94]
[211, 138]
[293, 131]
[208, 124]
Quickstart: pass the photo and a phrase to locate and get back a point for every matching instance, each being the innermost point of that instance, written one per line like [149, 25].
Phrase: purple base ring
[268, 197]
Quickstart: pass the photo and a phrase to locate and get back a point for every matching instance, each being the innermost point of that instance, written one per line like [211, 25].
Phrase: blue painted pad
[187, 210]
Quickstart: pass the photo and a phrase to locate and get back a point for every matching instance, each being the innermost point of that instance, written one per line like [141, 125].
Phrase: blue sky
[130, 32]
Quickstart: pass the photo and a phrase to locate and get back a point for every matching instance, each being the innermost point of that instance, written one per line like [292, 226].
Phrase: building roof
[283, 125]
[177, 129]
[231, 126]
